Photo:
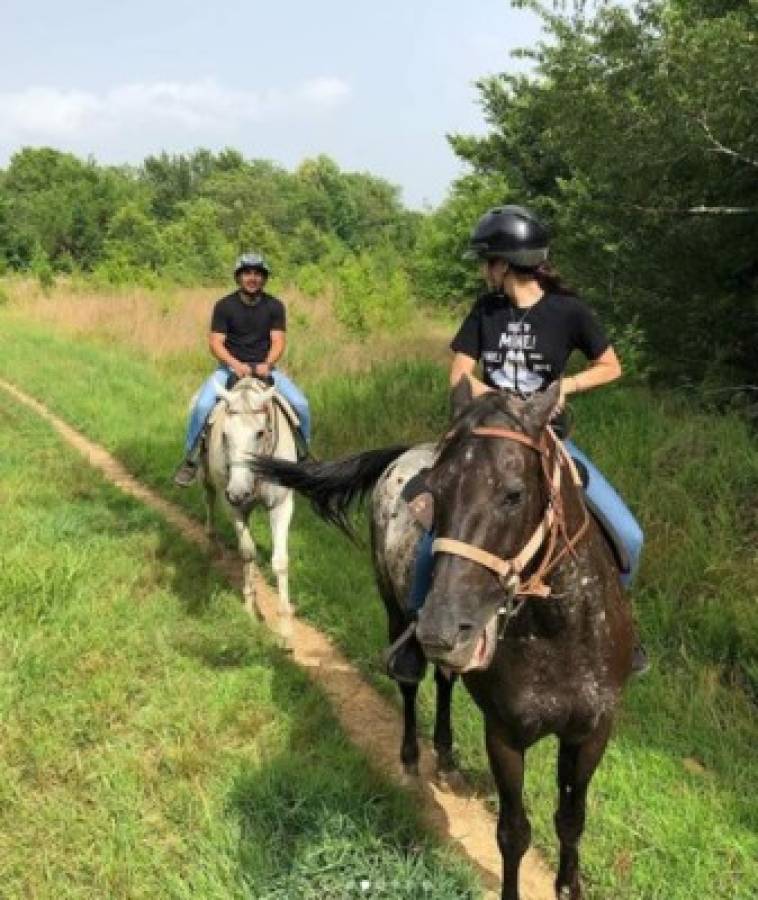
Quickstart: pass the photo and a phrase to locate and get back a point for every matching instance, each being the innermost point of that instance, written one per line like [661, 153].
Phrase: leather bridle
[553, 523]
[271, 437]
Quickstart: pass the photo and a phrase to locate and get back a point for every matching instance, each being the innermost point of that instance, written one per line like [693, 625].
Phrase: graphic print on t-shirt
[516, 365]
[523, 351]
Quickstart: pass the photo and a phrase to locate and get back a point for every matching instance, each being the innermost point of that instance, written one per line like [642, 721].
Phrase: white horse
[248, 422]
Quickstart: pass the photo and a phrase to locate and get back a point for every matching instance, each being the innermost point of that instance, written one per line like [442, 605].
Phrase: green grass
[659, 824]
[153, 741]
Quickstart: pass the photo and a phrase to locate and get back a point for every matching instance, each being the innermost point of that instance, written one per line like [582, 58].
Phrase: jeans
[208, 395]
[609, 506]
[600, 495]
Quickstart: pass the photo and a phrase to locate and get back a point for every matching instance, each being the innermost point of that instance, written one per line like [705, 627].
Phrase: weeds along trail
[172, 325]
[154, 740]
[370, 721]
[690, 476]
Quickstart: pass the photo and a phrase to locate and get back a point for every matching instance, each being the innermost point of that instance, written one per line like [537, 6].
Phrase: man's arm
[278, 345]
[216, 343]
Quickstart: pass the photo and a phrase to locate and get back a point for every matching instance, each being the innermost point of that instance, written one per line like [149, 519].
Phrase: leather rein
[553, 524]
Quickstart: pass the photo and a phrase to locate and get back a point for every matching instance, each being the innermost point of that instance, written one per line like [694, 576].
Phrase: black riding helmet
[512, 233]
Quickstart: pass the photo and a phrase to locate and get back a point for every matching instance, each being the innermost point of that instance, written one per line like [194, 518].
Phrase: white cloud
[41, 113]
[325, 92]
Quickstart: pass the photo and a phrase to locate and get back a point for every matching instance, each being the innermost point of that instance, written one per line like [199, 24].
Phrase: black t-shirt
[524, 350]
[248, 326]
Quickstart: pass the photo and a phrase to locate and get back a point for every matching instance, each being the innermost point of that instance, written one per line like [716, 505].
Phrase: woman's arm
[463, 366]
[603, 370]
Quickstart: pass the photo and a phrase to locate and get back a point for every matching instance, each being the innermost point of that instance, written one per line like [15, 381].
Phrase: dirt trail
[371, 722]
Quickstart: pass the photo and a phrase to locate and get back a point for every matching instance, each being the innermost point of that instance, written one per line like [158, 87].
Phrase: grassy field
[154, 743]
[672, 812]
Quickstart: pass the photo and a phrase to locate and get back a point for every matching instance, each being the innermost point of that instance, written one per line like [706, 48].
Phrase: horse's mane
[479, 412]
[246, 387]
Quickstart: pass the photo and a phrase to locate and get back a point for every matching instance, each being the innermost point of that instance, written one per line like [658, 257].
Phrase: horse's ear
[540, 408]
[461, 395]
[222, 391]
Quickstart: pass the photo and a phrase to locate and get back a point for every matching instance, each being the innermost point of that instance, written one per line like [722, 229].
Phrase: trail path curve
[371, 722]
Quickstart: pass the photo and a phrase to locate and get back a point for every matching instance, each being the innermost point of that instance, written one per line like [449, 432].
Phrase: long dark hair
[548, 278]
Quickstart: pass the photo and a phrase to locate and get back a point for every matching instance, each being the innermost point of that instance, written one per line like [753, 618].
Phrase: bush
[311, 280]
[43, 270]
[367, 297]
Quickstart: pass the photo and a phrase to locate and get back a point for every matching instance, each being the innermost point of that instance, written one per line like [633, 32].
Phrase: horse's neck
[590, 563]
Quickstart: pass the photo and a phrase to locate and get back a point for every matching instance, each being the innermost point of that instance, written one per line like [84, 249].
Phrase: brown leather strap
[518, 436]
[553, 522]
[500, 566]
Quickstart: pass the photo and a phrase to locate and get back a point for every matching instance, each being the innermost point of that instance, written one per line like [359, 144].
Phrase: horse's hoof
[284, 628]
[450, 780]
[410, 771]
[251, 608]
[284, 642]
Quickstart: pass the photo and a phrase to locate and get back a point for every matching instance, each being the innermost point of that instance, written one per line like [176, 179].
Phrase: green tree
[60, 206]
[440, 271]
[257, 235]
[194, 245]
[636, 137]
[133, 249]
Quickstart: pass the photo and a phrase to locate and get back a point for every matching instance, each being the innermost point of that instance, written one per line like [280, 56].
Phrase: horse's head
[490, 494]
[245, 430]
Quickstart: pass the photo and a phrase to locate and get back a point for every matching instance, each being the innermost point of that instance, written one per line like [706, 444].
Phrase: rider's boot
[301, 446]
[186, 474]
[404, 659]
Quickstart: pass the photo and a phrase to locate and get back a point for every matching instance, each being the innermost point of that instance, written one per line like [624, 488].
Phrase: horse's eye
[259, 434]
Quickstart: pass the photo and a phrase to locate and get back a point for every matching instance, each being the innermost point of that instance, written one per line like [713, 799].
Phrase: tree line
[634, 134]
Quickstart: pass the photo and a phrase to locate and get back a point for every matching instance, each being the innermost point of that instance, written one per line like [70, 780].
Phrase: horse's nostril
[434, 638]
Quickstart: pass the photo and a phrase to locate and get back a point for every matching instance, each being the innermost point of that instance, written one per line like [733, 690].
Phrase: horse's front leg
[514, 833]
[576, 765]
[210, 509]
[409, 750]
[247, 553]
[443, 729]
[280, 518]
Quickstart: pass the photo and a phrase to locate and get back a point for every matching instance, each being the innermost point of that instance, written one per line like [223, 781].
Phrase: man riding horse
[248, 338]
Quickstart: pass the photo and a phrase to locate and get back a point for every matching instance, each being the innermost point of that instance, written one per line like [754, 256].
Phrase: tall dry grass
[173, 324]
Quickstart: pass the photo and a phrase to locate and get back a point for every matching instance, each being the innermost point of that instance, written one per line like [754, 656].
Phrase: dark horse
[525, 600]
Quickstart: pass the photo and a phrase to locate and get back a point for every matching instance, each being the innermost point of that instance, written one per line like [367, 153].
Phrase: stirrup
[404, 659]
[186, 474]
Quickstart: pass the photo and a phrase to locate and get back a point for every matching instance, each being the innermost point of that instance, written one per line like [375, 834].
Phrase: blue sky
[374, 85]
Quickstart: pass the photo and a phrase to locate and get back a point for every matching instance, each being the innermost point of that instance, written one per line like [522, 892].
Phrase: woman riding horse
[523, 331]
[525, 601]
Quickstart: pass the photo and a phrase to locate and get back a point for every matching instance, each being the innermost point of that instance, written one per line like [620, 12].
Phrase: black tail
[331, 486]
